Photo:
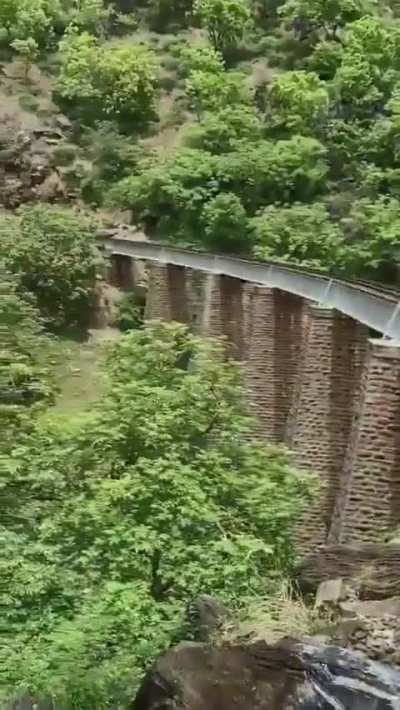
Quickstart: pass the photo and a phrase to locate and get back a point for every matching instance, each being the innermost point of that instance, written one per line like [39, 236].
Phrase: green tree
[24, 379]
[326, 15]
[170, 194]
[298, 102]
[326, 59]
[28, 50]
[224, 222]
[24, 19]
[224, 20]
[53, 252]
[348, 143]
[113, 156]
[92, 15]
[369, 69]
[200, 58]
[210, 91]
[156, 496]
[110, 83]
[372, 229]
[220, 132]
[264, 172]
[299, 234]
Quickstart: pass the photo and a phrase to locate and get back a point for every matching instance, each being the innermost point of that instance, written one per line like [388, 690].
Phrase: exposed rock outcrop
[27, 169]
[205, 615]
[288, 676]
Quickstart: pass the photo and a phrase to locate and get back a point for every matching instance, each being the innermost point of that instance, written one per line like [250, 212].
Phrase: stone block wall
[370, 497]
[324, 405]
[122, 272]
[273, 341]
[167, 294]
[223, 312]
[178, 295]
[195, 290]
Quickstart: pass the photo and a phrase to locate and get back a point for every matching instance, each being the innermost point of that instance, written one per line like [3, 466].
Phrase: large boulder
[287, 676]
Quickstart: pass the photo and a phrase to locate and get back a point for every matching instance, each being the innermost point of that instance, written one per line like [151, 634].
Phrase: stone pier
[122, 272]
[369, 501]
[223, 312]
[273, 336]
[167, 293]
[324, 405]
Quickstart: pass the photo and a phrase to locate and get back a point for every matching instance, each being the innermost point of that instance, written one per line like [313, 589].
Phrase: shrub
[130, 312]
[53, 252]
[64, 155]
[98, 82]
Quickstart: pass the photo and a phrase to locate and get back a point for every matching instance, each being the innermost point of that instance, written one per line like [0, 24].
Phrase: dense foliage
[110, 83]
[224, 20]
[52, 252]
[271, 106]
[24, 377]
[113, 524]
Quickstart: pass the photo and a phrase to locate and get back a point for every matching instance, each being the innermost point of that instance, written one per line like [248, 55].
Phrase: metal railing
[375, 306]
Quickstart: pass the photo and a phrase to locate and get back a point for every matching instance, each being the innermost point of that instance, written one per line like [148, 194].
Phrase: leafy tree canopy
[30, 18]
[154, 497]
[299, 234]
[326, 15]
[53, 253]
[211, 91]
[101, 82]
[224, 20]
[200, 58]
[298, 102]
[24, 382]
[174, 192]
[219, 132]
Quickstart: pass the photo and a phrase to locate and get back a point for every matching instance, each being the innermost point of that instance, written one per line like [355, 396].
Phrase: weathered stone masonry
[167, 296]
[274, 338]
[122, 272]
[370, 496]
[223, 312]
[323, 410]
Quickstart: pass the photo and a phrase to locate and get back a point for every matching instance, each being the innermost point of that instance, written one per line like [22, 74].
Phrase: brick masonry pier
[369, 499]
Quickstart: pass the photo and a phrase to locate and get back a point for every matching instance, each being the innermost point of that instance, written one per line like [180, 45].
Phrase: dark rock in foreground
[288, 676]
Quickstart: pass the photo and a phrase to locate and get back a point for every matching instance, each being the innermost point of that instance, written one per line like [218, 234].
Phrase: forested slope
[265, 127]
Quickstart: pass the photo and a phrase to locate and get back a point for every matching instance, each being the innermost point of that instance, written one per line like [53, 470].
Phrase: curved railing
[375, 306]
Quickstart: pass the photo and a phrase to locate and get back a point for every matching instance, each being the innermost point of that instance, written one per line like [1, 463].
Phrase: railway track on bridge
[375, 305]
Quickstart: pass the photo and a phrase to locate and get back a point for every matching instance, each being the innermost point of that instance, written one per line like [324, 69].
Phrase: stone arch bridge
[322, 368]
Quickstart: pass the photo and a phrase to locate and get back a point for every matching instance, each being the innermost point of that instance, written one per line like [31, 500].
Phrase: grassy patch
[283, 614]
[77, 371]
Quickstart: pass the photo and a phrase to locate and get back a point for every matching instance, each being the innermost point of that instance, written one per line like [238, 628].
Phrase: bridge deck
[375, 306]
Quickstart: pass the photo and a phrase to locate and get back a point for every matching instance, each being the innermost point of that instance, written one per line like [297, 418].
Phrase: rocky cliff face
[27, 168]
[288, 676]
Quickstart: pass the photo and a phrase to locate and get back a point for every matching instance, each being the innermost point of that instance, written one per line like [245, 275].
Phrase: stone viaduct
[321, 360]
